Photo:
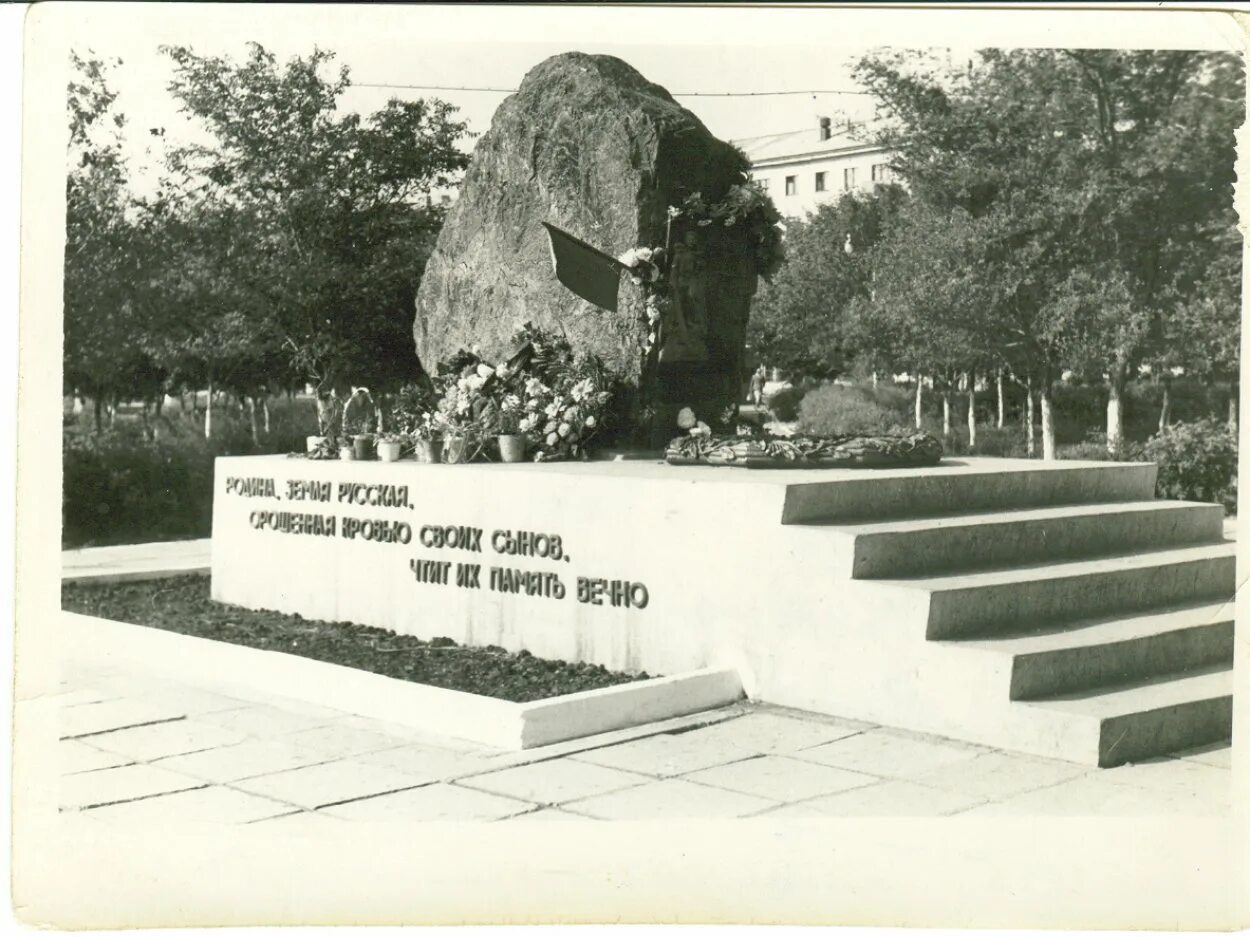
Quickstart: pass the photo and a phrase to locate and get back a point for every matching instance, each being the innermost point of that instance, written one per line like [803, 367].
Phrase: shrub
[834, 410]
[121, 486]
[1197, 462]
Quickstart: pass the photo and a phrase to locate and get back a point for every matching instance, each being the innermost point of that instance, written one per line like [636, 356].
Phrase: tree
[311, 232]
[103, 247]
[1099, 173]
[798, 321]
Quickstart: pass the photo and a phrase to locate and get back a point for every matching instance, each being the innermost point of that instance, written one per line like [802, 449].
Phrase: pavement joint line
[352, 800]
[131, 800]
[136, 725]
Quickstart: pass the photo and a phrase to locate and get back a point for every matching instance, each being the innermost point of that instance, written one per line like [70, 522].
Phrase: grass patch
[182, 605]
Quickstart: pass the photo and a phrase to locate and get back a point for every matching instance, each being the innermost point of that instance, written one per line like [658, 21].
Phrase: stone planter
[428, 450]
[389, 450]
[363, 447]
[455, 450]
[347, 453]
[512, 447]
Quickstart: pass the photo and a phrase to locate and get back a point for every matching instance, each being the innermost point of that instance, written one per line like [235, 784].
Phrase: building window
[880, 172]
[820, 182]
[848, 178]
[792, 185]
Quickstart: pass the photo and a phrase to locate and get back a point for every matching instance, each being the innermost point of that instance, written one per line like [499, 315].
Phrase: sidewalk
[133, 748]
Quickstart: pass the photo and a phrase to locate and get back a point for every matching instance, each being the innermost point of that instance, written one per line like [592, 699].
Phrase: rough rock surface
[591, 146]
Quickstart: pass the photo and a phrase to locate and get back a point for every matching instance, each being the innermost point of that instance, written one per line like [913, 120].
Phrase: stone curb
[497, 723]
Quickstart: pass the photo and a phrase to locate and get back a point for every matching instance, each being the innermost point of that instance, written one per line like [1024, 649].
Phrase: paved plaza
[135, 747]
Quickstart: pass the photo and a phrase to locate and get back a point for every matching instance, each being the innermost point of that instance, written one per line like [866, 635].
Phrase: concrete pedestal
[829, 589]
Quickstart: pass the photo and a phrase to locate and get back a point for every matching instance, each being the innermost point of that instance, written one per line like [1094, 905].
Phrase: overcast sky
[683, 49]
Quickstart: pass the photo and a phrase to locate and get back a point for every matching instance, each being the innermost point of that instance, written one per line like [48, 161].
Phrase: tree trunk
[972, 411]
[1048, 422]
[327, 410]
[112, 411]
[946, 410]
[874, 378]
[253, 420]
[919, 401]
[1165, 406]
[1002, 401]
[1233, 391]
[208, 412]
[1030, 420]
[1115, 409]
[265, 406]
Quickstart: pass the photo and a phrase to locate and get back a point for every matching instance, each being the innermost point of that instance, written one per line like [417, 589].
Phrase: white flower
[552, 409]
[590, 421]
[502, 372]
[484, 371]
[528, 423]
[534, 387]
[563, 429]
[552, 439]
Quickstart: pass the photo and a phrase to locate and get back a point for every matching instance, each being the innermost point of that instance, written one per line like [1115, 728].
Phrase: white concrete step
[987, 540]
[1103, 652]
[1129, 723]
[958, 486]
[1004, 600]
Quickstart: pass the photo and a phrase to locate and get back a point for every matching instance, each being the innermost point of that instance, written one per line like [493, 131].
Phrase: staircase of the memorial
[1070, 616]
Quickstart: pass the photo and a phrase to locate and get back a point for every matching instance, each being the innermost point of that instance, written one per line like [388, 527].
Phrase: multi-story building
[802, 169]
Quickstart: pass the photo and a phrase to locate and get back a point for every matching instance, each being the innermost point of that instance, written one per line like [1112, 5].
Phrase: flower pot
[428, 450]
[512, 447]
[314, 442]
[455, 450]
[389, 450]
[347, 453]
[363, 447]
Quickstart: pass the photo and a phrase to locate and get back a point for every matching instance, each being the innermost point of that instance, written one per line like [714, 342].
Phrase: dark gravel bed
[182, 604]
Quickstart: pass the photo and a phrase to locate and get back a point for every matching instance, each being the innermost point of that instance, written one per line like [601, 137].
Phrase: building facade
[802, 169]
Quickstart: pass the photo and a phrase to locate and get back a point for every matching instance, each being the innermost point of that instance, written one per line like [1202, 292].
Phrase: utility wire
[676, 94]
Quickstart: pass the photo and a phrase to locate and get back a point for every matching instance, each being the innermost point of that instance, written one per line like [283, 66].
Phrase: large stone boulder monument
[590, 146]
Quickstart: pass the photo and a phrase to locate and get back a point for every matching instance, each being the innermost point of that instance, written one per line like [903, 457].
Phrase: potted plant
[347, 452]
[391, 447]
[512, 442]
[362, 446]
[425, 433]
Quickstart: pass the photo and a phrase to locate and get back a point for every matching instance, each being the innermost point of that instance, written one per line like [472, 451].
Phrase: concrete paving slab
[1174, 776]
[881, 799]
[113, 785]
[161, 739]
[253, 758]
[340, 741]
[206, 805]
[889, 754]
[555, 782]
[672, 798]
[261, 721]
[668, 755]
[425, 763]
[432, 802]
[74, 757]
[1091, 796]
[778, 777]
[331, 783]
[996, 775]
[766, 733]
